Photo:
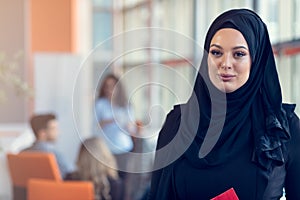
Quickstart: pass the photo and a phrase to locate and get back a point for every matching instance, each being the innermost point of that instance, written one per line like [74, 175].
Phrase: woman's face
[229, 60]
[109, 87]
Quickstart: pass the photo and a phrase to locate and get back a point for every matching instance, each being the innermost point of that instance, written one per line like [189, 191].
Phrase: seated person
[97, 164]
[45, 129]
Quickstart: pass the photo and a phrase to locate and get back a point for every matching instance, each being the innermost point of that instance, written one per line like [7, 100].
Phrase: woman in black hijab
[234, 134]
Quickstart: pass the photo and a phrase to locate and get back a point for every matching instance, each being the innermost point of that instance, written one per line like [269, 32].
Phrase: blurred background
[53, 54]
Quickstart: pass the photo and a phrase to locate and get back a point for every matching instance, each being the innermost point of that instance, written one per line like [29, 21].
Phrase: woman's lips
[226, 77]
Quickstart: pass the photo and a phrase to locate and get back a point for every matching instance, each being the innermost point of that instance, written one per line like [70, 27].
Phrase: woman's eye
[239, 54]
[215, 52]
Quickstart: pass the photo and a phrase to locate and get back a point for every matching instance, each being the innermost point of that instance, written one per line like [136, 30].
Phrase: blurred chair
[41, 189]
[26, 165]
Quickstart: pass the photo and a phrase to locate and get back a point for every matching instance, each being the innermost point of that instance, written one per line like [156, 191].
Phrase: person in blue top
[117, 125]
[234, 134]
[45, 129]
[115, 117]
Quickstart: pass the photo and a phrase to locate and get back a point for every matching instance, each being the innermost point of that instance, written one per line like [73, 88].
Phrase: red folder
[227, 195]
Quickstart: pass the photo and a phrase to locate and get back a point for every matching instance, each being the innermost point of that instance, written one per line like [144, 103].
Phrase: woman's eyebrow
[237, 47]
[215, 45]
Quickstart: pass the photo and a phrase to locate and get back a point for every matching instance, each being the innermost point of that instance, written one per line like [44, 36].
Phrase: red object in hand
[227, 195]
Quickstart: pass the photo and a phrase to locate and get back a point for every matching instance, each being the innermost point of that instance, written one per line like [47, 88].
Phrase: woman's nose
[226, 62]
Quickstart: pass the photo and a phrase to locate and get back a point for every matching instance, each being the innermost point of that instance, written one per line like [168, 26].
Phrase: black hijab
[212, 127]
[254, 111]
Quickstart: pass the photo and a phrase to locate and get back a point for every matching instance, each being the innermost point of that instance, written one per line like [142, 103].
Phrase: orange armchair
[41, 189]
[26, 165]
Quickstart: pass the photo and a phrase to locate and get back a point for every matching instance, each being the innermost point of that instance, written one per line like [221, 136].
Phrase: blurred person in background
[115, 117]
[96, 163]
[118, 125]
[45, 129]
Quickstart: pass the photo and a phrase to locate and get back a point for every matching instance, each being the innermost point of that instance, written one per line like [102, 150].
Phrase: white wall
[55, 78]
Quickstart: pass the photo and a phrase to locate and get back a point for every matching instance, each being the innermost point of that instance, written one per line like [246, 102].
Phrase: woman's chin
[226, 88]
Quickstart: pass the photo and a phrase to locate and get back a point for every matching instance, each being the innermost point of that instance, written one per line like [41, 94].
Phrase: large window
[155, 63]
[157, 53]
[296, 18]
[102, 21]
[164, 65]
[295, 82]
[282, 19]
